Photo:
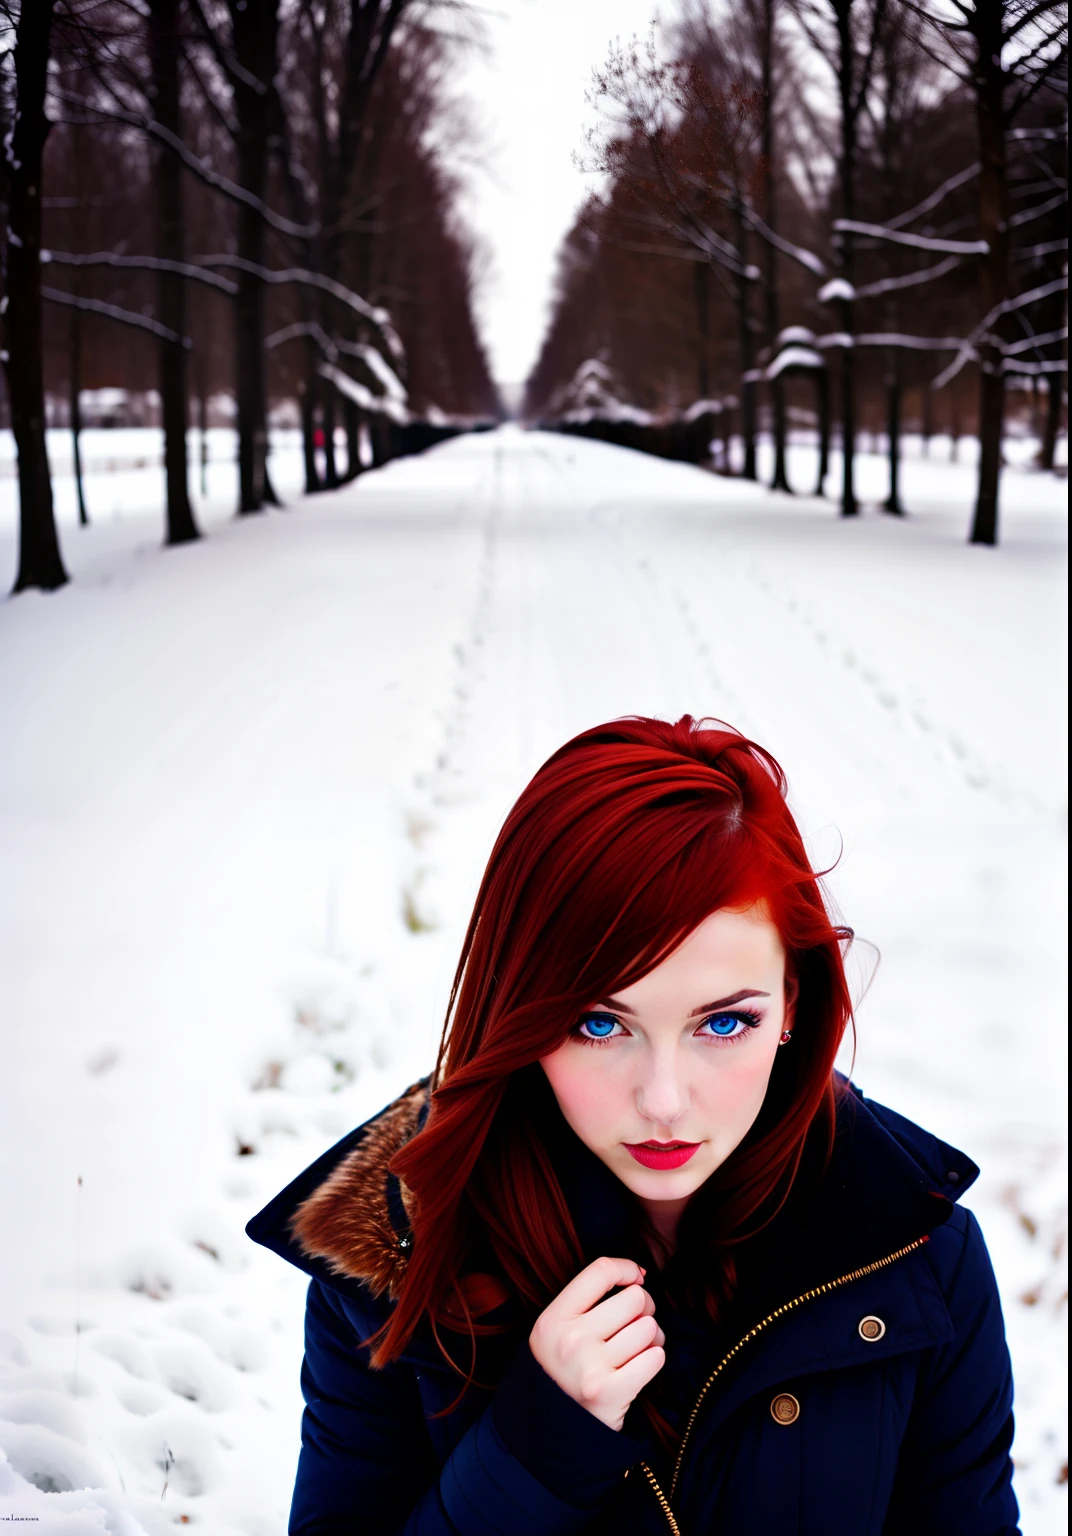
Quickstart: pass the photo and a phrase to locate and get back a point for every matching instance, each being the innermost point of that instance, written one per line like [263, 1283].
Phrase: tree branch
[141, 264]
[113, 312]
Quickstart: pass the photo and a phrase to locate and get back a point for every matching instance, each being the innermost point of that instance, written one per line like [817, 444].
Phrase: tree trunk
[1052, 420]
[745, 347]
[331, 468]
[308, 422]
[310, 399]
[255, 35]
[353, 440]
[926, 420]
[165, 48]
[847, 169]
[381, 441]
[893, 431]
[699, 291]
[780, 478]
[849, 505]
[202, 434]
[74, 361]
[954, 425]
[994, 266]
[40, 562]
[822, 406]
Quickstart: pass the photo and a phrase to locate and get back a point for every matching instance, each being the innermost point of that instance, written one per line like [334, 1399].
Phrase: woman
[635, 1259]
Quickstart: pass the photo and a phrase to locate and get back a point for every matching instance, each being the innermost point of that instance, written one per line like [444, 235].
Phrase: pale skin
[683, 1055]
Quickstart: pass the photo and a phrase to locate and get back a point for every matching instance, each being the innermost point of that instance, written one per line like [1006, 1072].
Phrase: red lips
[662, 1154]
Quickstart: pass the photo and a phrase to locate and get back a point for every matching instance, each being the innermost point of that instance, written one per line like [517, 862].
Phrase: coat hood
[345, 1219]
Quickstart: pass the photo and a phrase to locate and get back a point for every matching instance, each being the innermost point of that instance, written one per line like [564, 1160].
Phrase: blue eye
[730, 1026]
[596, 1026]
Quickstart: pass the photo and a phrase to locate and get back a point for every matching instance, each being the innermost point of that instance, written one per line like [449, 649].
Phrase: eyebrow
[613, 1006]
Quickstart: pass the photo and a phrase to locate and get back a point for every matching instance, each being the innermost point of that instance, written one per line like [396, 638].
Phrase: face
[682, 1056]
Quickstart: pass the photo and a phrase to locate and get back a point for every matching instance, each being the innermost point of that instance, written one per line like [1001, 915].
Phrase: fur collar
[346, 1221]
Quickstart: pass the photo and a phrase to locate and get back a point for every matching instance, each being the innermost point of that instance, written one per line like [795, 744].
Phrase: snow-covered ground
[246, 790]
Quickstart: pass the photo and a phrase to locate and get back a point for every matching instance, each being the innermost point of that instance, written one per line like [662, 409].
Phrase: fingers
[634, 1376]
[593, 1283]
[618, 1310]
[632, 1340]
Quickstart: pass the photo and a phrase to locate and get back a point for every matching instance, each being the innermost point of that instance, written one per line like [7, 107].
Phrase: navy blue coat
[860, 1386]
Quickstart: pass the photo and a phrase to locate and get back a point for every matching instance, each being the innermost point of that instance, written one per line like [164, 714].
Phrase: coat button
[871, 1329]
[785, 1409]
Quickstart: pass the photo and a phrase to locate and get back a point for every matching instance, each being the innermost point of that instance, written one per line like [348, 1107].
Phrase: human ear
[792, 992]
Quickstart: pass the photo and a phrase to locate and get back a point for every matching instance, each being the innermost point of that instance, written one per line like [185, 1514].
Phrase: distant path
[247, 791]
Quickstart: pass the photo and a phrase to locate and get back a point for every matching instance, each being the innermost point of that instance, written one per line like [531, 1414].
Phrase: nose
[663, 1095]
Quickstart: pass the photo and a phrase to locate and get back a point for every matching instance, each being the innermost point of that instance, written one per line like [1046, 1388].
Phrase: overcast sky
[528, 100]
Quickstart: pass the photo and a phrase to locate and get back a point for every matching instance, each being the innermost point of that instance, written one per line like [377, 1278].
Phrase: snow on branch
[376, 316]
[361, 395]
[1052, 365]
[795, 335]
[794, 357]
[331, 347]
[917, 242]
[1043, 291]
[700, 408]
[304, 328]
[376, 364]
[838, 288]
[113, 312]
[910, 279]
[1026, 215]
[799, 253]
[140, 264]
[1037, 133]
[909, 343]
[1030, 342]
[1007, 307]
[696, 233]
[937, 196]
[1046, 248]
[193, 163]
[890, 339]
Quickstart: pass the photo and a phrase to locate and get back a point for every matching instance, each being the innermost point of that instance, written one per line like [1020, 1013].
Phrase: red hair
[624, 841]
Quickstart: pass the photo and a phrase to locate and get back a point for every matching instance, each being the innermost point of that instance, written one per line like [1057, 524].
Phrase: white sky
[527, 97]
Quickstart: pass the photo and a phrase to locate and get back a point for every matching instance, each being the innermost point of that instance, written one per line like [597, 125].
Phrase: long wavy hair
[624, 841]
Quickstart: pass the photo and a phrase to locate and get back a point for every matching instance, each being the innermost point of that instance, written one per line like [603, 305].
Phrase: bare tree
[745, 42]
[846, 34]
[40, 562]
[245, 52]
[164, 55]
[681, 135]
[1007, 52]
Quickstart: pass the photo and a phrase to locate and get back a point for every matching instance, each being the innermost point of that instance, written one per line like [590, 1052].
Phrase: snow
[939, 195]
[916, 242]
[700, 408]
[795, 335]
[361, 394]
[794, 357]
[799, 253]
[247, 789]
[909, 280]
[837, 288]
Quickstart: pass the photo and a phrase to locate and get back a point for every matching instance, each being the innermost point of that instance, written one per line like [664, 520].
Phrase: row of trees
[247, 197]
[825, 205]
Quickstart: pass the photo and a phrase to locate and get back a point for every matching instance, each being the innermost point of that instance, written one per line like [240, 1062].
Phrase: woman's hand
[601, 1355]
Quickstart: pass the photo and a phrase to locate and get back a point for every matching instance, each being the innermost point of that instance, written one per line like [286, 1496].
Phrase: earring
[787, 1035]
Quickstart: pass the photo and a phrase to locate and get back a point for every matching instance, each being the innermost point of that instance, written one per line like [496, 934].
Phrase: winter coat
[861, 1384]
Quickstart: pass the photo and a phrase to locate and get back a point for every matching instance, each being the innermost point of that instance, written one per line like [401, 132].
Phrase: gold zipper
[661, 1496]
[789, 1306]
